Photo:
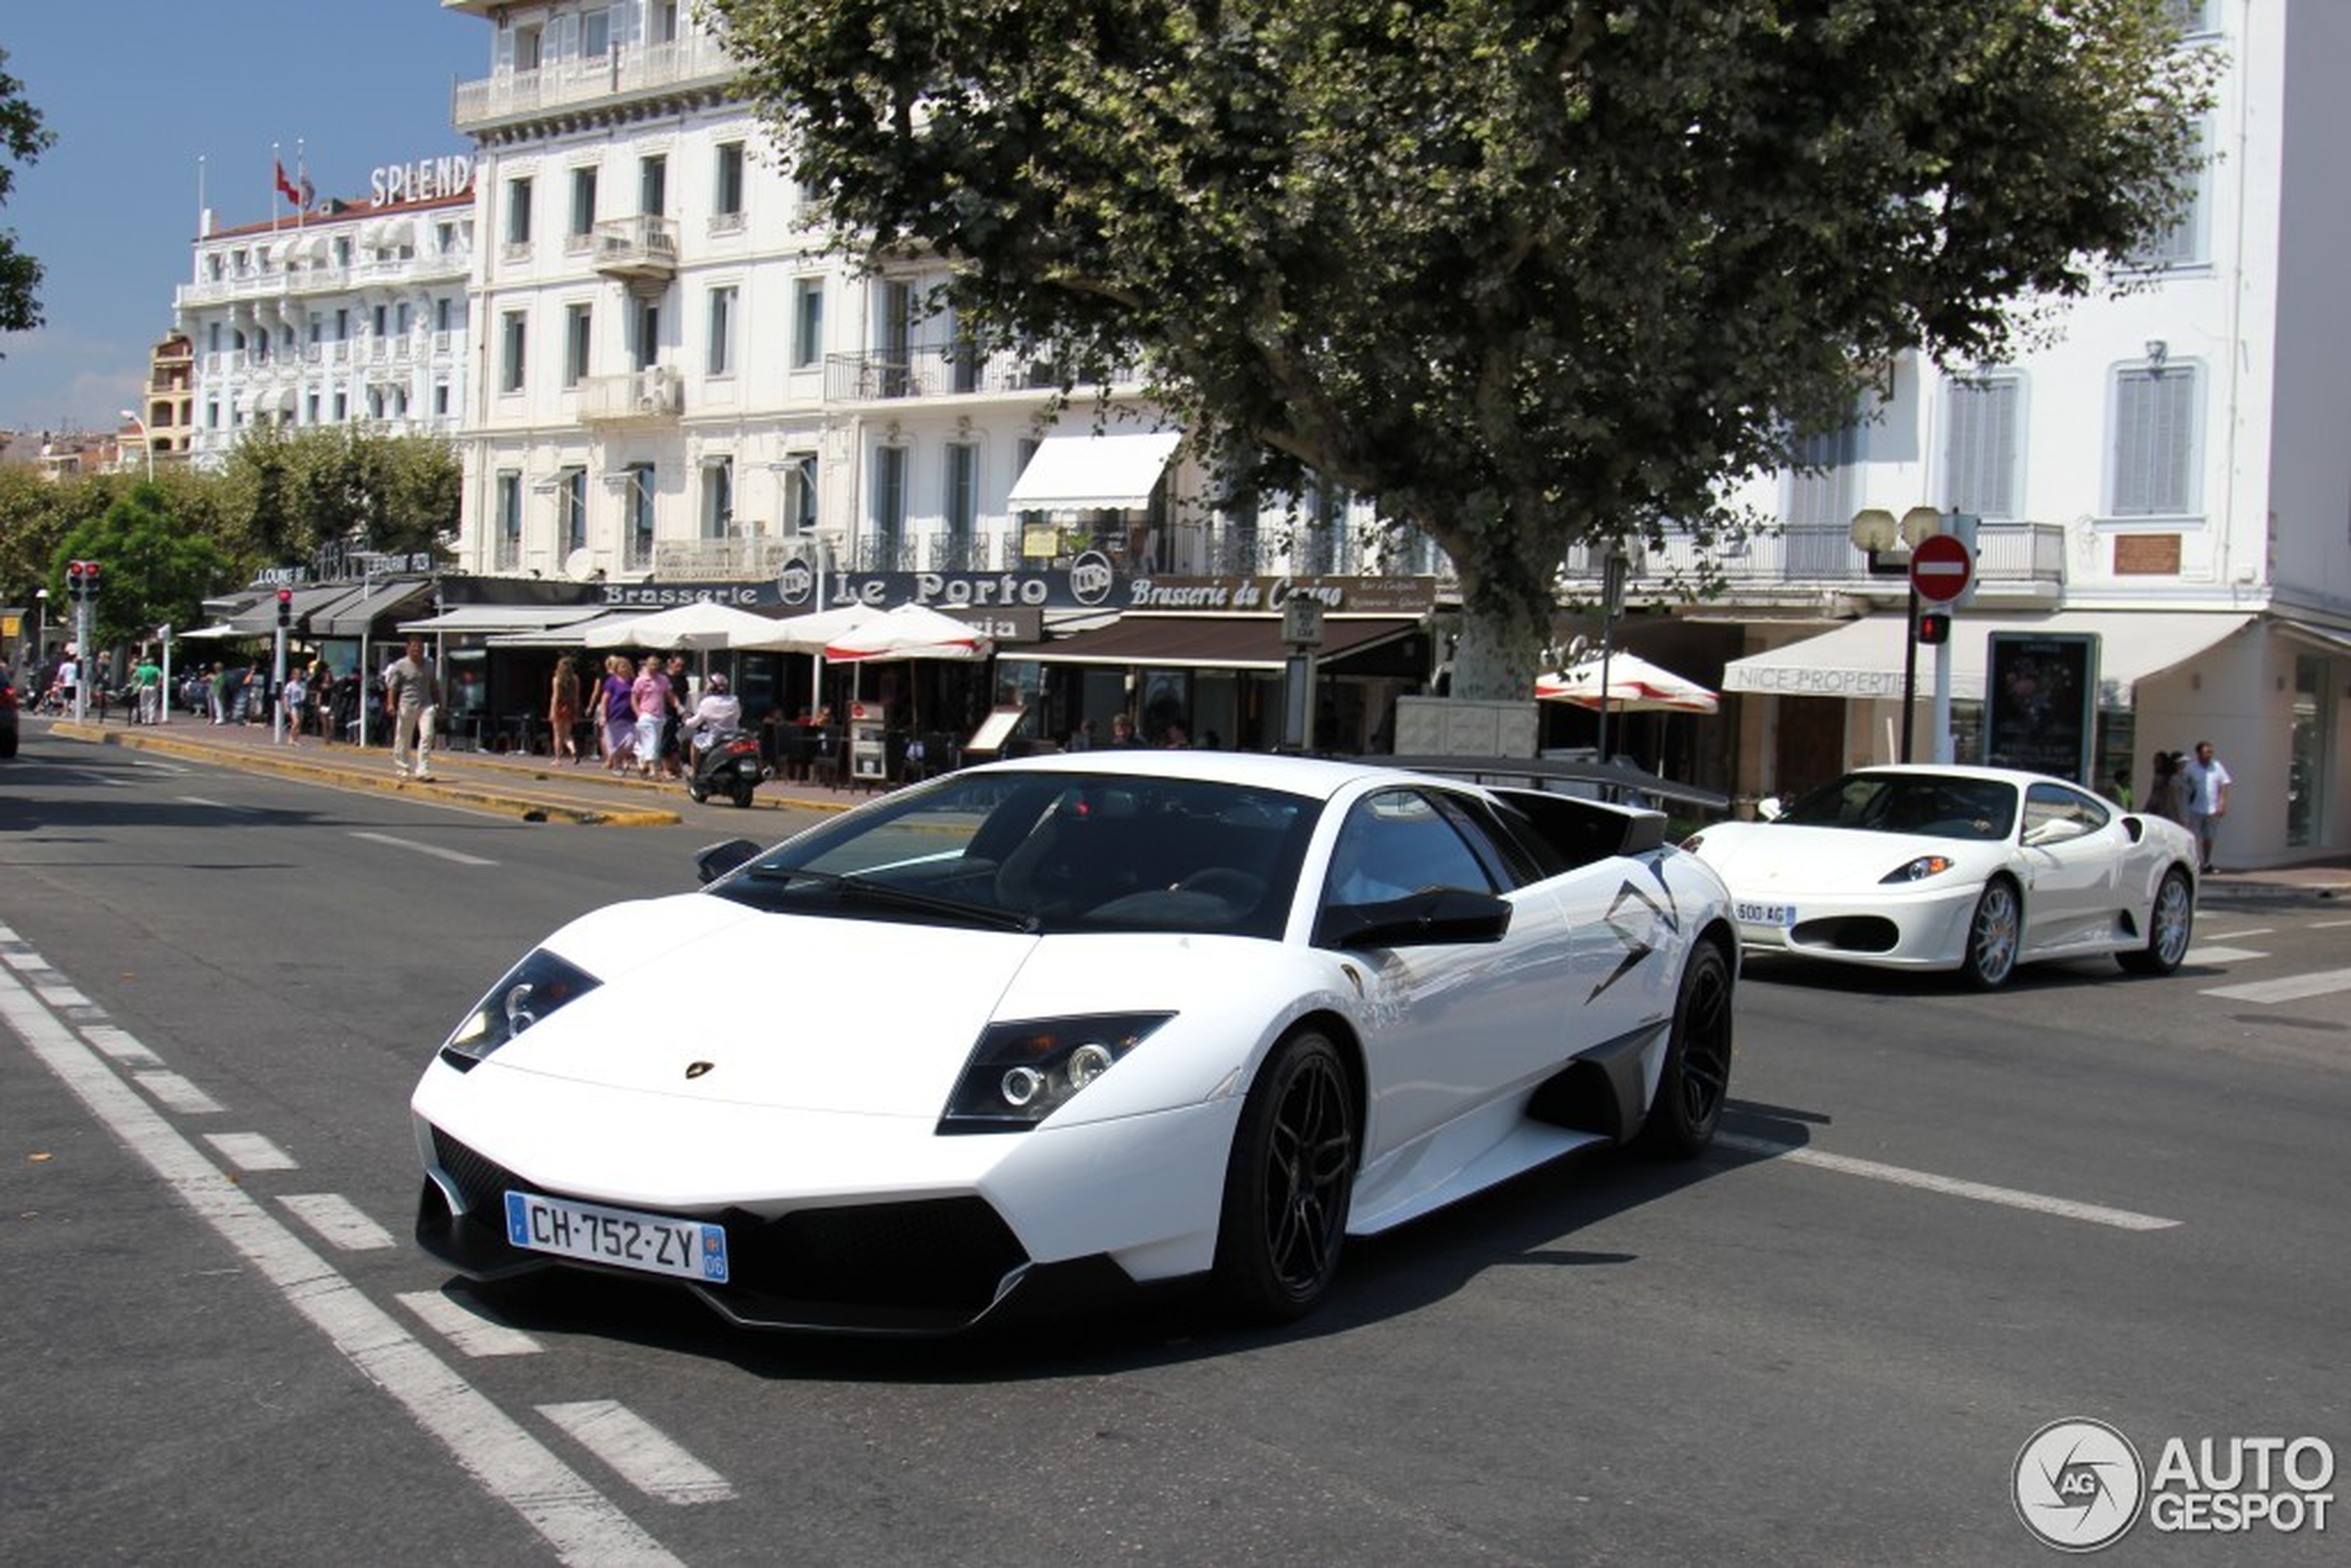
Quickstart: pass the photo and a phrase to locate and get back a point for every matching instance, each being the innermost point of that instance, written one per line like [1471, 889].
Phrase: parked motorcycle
[728, 766]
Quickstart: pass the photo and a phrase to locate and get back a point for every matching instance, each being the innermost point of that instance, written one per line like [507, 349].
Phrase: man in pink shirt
[649, 700]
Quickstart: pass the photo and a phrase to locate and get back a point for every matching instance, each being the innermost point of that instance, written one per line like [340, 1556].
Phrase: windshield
[1057, 851]
[1935, 805]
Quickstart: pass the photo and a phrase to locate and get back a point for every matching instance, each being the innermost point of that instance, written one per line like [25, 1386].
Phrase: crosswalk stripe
[175, 1092]
[457, 1323]
[2201, 953]
[251, 1152]
[644, 1457]
[338, 1223]
[2287, 988]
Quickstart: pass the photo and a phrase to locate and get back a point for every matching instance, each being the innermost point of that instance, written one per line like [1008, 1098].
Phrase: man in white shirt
[2207, 785]
[411, 696]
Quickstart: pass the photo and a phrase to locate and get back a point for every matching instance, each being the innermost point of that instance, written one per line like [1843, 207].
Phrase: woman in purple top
[614, 719]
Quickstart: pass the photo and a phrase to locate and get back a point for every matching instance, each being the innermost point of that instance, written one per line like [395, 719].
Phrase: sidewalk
[536, 789]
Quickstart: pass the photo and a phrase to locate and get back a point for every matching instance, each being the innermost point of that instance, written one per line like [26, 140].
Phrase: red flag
[286, 186]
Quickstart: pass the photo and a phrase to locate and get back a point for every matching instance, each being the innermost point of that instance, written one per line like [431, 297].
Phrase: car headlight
[1919, 869]
[531, 990]
[1021, 1072]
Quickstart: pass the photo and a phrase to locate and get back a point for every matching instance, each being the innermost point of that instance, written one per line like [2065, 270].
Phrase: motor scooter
[729, 764]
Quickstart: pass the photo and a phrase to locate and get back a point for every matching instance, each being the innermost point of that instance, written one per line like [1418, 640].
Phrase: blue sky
[136, 91]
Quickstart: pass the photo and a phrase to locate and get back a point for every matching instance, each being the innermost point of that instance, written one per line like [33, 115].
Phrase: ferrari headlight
[530, 990]
[1919, 869]
[1020, 1074]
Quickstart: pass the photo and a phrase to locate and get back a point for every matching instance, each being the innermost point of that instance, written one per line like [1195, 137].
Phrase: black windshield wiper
[851, 887]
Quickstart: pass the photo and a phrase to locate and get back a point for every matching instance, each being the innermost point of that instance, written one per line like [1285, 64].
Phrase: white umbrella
[910, 632]
[804, 634]
[700, 626]
[1634, 685]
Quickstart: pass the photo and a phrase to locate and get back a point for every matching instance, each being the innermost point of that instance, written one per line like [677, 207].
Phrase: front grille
[934, 1256]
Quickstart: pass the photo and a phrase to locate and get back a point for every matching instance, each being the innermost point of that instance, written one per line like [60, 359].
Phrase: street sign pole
[1941, 568]
[1910, 667]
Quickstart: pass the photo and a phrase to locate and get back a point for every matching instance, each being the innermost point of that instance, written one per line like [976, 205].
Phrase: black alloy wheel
[1288, 1183]
[1696, 1080]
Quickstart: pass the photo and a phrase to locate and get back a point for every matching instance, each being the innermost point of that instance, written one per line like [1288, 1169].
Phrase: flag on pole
[286, 186]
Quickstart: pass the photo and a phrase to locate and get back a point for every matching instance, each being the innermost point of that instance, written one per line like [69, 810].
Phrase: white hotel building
[352, 311]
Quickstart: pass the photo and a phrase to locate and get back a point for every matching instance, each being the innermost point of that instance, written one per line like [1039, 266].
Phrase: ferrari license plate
[1780, 915]
[619, 1236]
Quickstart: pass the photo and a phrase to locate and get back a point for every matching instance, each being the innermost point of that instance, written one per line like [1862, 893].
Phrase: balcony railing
[641, 395]
[637, 249]
[695, 61]
[945, 370]
[2012, 560]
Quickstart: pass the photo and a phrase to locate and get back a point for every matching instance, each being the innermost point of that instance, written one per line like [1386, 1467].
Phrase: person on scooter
[716, 716]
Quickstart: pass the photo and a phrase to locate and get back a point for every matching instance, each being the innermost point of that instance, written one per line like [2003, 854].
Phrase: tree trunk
[1500, 650]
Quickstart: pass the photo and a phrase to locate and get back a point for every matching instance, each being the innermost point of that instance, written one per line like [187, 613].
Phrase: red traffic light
[285, 596]
[1933, 627]
[285, 606]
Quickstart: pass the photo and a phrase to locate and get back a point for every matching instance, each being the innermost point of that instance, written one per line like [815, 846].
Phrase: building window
[440, 398]
[728, 199]
[509, 507]
[342, 407]
[962, 491]
[511, 352]
[720, 358]
[666, 22]
[652, 185]
[583, 202]
[518, 211]
[1981, 471]
[311, 410]
[800, 492]
[378, 320]
[595, 34]
[640, 515]
[889, 507]
[2154, 442]
[577, 323]
[2184, 243]
[443, 312]
[1816, 516]
[526, 48]
[808, 322]
[571, 502]
[342, 325]
[211, 415]
[645, 341]
[718, 497]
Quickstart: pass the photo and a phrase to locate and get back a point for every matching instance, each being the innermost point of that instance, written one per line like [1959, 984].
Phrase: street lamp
[146, 442]
[39, 617]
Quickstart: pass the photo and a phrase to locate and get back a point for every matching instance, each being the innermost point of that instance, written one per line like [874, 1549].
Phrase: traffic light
[286, 608]
[1934, 627]
[73, 580]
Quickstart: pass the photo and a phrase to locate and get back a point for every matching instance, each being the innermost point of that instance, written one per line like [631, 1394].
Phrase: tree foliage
[1528, 271]
[155, 570]
[23, 139]
[287, 493]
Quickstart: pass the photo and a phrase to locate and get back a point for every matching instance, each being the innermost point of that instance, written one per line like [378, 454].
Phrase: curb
[531, 807]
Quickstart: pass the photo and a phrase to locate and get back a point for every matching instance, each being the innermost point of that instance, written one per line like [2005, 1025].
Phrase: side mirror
[1768, 809]
[1432, 917]
[719, 859]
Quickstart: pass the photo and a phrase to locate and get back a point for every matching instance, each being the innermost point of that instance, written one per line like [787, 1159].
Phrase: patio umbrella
[804, 634]
[1634, 685]
[698, 627]
[910, 632]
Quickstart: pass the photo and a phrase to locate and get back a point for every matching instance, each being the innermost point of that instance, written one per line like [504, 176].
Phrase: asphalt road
[1939, 1222]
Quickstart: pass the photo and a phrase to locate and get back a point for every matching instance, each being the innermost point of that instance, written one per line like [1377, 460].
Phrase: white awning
[1863, 659]
[1079, 471]
[2321, 637]
[571, 634]
[504, 617]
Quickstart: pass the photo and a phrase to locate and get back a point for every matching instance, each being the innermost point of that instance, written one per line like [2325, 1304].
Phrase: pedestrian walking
[148, 678]
[295, 696]
[562, 710]
[2208, 782]
[649, 700]
[411, 696]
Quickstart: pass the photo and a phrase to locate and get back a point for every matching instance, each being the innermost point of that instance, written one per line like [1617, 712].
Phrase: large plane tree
[1528, 272]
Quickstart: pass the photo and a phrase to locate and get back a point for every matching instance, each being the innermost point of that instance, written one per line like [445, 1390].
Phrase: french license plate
[619, 1236]
[1780, 915]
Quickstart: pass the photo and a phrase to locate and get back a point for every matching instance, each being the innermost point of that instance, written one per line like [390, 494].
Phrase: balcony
[756, 559]
[2014, 561]
[945, 370]
[641, 252]
[641, 397]
[690, 66]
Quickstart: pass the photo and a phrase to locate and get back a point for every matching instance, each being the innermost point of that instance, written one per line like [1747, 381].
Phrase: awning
[1863, 659]
[504, 617]
[1077, 471]
[208, 633]
[260, 617]
[2325, 638]
[1251, 642]
[357, 616]
[573, 634]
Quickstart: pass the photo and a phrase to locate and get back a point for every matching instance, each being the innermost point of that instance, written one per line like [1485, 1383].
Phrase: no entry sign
[1941, 565]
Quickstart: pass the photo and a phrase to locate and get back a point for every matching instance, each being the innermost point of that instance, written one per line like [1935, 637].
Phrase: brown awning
[1253, 643]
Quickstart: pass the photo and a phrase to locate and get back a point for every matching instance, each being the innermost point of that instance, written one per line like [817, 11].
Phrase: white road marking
[120, 1046]
[644, 1457]
[2238, 936]
[175, 1092]
[475, 1336]
[107, 779]
[2289, 987]
[58, 994]
[2007, 1197]
[581, 1523]
[251, 1152]
[2328, 925]
[424, 849]
[216, 805]
[2200, 954]
[337, 1221]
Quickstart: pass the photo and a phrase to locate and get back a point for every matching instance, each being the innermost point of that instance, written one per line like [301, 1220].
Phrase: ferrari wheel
[1993, 933]
[2170, 923]
[1697, 1076]
[1288, 1184]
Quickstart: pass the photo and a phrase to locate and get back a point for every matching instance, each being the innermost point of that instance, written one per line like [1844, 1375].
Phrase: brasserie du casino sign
[1091, 581]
